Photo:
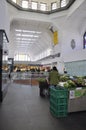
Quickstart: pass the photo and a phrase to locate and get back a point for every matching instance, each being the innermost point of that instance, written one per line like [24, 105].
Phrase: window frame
[62, 4]
[45, 6]
[14, 1]
[52, 5]
[84, 41]
[32, 5]
[27, 4]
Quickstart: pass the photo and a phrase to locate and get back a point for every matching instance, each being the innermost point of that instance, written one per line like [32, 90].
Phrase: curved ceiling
[30, 37]
[33, 37]
[41, 6]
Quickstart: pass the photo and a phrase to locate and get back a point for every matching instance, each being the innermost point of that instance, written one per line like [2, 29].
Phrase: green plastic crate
[57, 107]
[59, 92]
[58, 101]
[58, 114]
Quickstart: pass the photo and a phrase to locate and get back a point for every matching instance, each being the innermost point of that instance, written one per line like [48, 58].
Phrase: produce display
[73, 82]
[70, 84]
[80, 82]
[76, 100]
[64, 78]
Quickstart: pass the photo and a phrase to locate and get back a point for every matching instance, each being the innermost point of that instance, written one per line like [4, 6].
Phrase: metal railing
[28, 75]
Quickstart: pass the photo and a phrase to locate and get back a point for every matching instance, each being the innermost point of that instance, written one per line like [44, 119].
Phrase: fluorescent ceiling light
[36, 36]
[27, 39]
[28, 31]
[19, 30]
[26, 35]
[20, 42]
[24, 43]
[19, 34]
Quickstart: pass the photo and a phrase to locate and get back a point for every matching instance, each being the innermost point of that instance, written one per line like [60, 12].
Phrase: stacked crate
[59, 101]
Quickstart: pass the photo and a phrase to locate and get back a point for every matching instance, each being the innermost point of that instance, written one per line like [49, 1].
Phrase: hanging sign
[55, 38]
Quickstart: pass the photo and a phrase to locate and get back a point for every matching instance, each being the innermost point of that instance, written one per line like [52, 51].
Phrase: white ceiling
[74, 18]
[30, 37]
[42, 35]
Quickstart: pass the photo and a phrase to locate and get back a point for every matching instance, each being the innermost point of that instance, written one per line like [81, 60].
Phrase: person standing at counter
[54, 77]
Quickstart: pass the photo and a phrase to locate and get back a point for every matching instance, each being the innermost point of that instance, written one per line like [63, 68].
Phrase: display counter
[77, 100]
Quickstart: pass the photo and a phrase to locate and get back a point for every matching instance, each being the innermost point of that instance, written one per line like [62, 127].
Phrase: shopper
[54, 77]
[9, 76]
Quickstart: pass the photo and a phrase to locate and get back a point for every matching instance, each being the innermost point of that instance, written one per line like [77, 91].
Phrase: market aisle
[24, 109]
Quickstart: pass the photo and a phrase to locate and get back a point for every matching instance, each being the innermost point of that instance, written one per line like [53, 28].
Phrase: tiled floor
[24, 109]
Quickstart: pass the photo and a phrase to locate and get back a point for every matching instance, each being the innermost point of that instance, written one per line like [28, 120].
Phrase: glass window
[21, 57]
[84, 41]
[63, 3]
[5, 58]
[53, 6]
[14, 1]
[48, 5]
[34, 5]
[43, 6]
[25, 4]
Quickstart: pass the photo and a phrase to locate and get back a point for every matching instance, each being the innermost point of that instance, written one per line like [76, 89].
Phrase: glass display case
[3, 64]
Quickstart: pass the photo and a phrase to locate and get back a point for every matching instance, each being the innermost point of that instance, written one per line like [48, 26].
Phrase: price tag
[72, 94]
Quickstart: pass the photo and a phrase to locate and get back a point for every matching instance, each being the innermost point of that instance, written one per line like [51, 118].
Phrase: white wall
[78, 53]
[71, 24]
[4, 17]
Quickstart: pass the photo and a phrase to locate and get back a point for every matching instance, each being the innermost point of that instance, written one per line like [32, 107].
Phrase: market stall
[72, 96]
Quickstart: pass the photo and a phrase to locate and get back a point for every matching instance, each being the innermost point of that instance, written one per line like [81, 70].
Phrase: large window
[63, 3]
[53, 6]
[84, 41]
[34, 5]
[21, 57]
[43, 6]
[14, 1]
[25, 4]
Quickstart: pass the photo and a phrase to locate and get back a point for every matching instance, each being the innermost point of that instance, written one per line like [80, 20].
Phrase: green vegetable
[64, 78]
[80, 81]
[69, 84]
[41, 79]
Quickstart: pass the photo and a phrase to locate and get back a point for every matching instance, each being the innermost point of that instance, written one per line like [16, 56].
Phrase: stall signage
[77, 93]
